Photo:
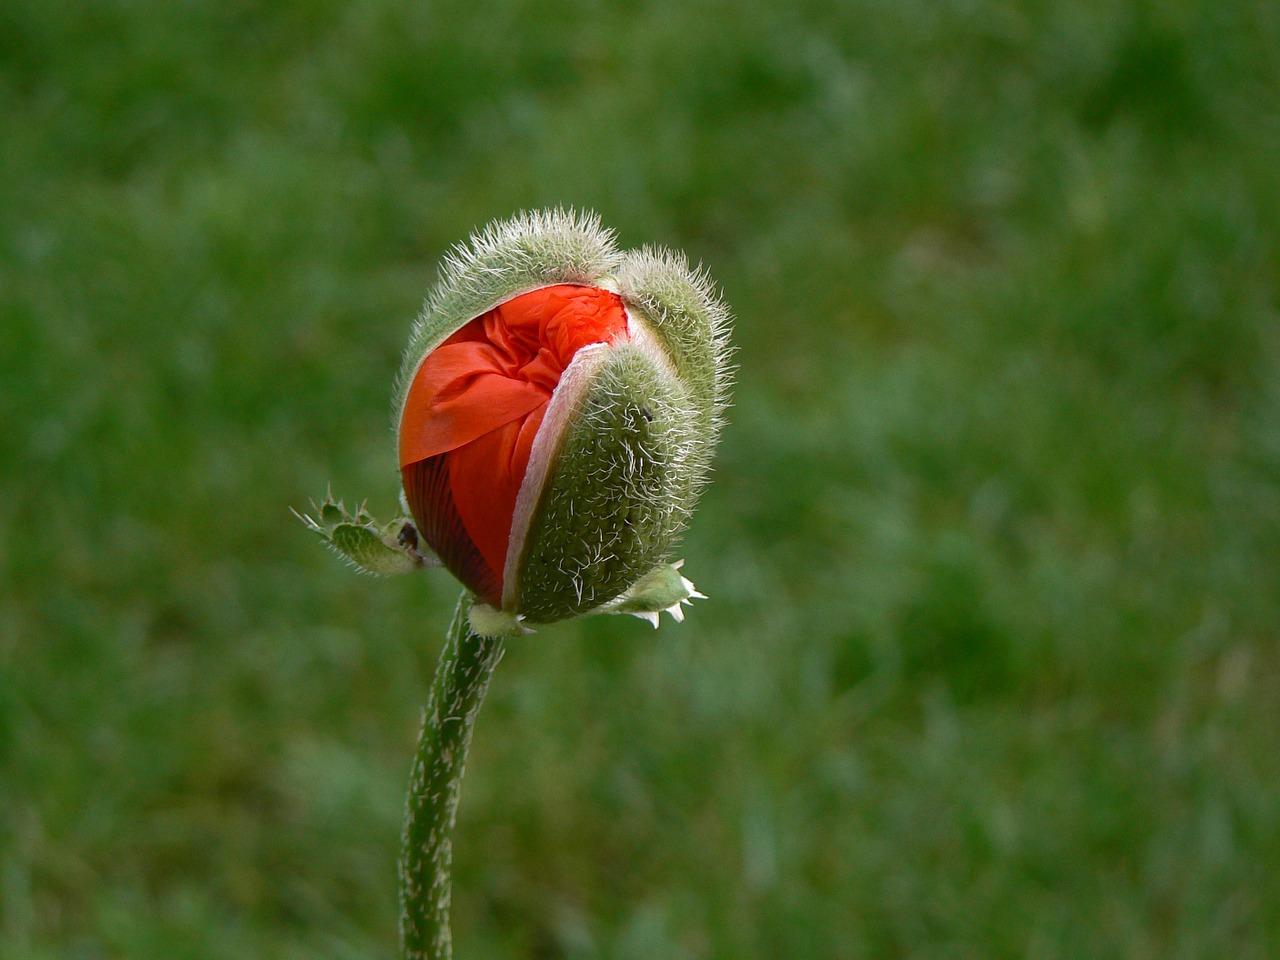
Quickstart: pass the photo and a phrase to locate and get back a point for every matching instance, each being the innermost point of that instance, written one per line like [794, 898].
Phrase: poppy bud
[556, 412]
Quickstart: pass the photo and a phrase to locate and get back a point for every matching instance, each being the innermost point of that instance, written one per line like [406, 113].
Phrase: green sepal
[663, 589]
[379, 549]
[615, 498]
[685, 312]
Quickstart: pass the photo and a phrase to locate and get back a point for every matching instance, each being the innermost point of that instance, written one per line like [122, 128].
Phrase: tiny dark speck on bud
[408, 536]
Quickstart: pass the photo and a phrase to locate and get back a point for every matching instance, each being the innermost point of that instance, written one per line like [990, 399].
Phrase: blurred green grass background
[990, 663]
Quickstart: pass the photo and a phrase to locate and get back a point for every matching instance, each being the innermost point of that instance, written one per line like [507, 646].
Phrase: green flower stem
[426, 857]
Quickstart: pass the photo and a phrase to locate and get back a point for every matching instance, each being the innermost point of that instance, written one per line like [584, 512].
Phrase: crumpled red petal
[472, 413]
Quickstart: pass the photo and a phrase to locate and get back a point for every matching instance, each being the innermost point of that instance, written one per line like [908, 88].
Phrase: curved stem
[426, 856]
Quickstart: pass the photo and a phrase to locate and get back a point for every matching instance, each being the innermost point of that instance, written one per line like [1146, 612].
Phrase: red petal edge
[426, 487]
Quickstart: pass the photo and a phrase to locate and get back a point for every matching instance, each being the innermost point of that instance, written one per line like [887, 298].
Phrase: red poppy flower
[473, 409]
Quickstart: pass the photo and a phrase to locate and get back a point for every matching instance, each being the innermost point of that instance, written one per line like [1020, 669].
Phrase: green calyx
[617, 491]
[691, 321]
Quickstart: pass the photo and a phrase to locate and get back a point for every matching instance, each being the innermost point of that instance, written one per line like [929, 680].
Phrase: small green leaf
[368, 551]
[331, 512]
[380, 549]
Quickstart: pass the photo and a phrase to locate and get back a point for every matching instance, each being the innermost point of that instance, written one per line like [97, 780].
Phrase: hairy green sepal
[507, 258]
[613, 502]
[689, 319]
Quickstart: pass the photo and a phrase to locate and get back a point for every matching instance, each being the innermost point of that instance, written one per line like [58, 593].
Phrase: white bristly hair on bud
[508, 257]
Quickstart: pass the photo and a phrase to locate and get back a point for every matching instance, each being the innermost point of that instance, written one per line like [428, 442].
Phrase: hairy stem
[426, 857]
